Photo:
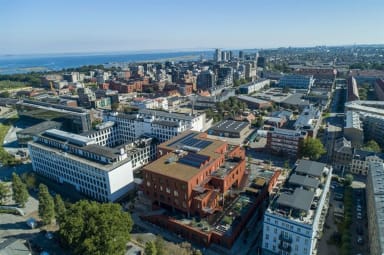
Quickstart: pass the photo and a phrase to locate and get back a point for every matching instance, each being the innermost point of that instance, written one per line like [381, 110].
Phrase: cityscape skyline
[72, 27]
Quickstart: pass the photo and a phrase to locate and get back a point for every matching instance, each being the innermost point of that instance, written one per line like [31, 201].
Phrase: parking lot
[358, 231]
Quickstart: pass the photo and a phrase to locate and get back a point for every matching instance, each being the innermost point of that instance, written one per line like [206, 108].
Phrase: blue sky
[59, 26]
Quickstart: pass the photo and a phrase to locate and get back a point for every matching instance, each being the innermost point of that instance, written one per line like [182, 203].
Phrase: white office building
[294, 219]
[159, 124]
[102, 173]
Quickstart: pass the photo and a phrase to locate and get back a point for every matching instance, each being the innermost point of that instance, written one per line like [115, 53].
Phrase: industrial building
[230, 128]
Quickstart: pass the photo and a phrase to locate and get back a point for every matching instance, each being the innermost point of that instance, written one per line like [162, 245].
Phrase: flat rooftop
[96, 164]
[300, 199]
[75, 139]
[253, 99]
[310, 167]
[230, 126]
[303, 180]
[173, 164]
[54, 107]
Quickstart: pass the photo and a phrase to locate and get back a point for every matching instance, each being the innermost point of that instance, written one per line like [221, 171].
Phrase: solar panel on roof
[193, 159]
[182, 139]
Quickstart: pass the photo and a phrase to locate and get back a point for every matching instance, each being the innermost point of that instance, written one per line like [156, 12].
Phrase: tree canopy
[372, 146]
[60, 208]
[312, 148]
[46, 205]
[19, 190]
[91, 228]
[150, 248]
[4, 192]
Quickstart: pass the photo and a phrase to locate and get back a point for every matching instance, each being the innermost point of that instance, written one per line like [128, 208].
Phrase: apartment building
[285, 141]
[379, 89]
[352, 90]
[362, 159]
[294, 219]
[353, 129]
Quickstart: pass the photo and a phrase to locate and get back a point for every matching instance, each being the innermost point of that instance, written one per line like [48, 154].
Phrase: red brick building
[193, 172]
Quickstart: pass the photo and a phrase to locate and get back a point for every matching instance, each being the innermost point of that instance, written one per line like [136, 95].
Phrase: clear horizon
[70, 27]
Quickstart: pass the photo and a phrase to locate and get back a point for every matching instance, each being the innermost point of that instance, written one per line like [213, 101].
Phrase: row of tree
[159, 247]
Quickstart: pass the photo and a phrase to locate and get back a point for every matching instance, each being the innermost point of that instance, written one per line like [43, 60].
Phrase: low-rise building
[253, 87]
[294, 220]
[230, 128]
[254, 103]
[309, 120]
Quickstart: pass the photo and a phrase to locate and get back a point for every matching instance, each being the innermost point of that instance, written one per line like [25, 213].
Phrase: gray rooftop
[304, 181]
[39, 128]
[230, 126]
[310, 167]
[296, 99]
[166, 123]
[252, 99]
[300, 199]
[78, 140]
[166, 114]
[102, 150]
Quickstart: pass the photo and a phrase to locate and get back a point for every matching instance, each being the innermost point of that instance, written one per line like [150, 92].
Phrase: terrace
[299, 197]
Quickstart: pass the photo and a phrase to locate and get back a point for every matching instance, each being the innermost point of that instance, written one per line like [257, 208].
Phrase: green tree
[59, 207]
[160, 246]
[259, 122]
[19, 190]
[96, 122]
[348, 179]
[91, 228]
[372, 146]
[150, 248]
[5, 94]
[46, 205]
[312, 148]
[29, 179]
[4, 192]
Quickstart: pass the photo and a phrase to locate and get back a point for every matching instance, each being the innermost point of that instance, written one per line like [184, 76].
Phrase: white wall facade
[86, 177]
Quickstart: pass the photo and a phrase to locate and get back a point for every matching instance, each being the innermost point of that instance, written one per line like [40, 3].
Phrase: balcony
[284, 238]
[284, 247]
